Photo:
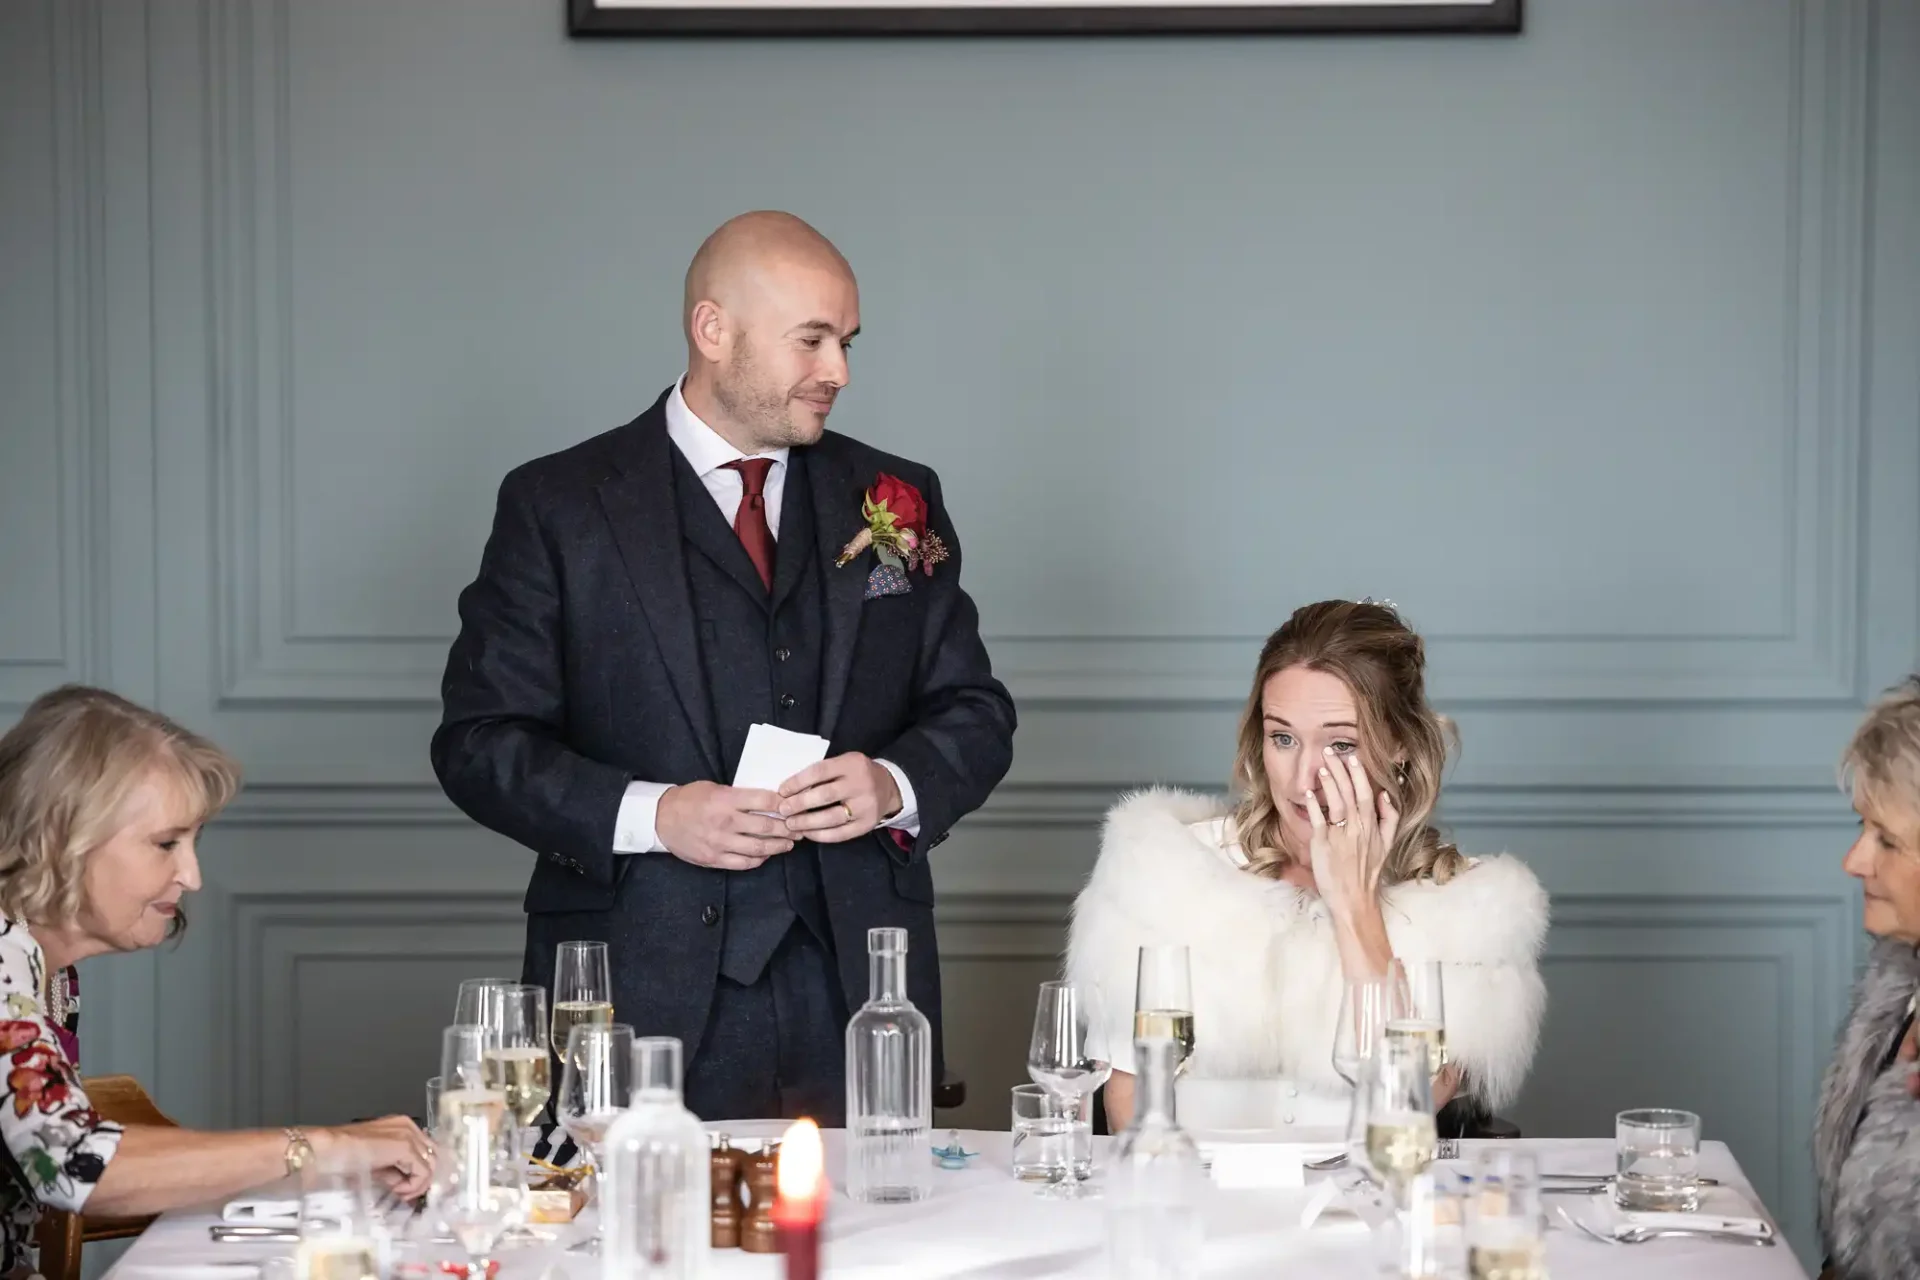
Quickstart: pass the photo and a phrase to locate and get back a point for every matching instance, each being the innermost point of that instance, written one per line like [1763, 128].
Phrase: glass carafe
[655, 1203]
[889, 1083]
[1155, 1180]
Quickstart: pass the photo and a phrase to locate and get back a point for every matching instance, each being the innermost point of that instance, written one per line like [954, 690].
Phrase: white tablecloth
[982, 1225]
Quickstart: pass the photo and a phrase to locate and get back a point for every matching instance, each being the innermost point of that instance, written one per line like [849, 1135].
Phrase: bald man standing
[648, 596]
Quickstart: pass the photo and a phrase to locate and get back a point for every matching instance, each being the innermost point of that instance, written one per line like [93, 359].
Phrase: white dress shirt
[708, 452]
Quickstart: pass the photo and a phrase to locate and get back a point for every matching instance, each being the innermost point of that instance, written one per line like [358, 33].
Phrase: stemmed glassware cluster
[496, 1081]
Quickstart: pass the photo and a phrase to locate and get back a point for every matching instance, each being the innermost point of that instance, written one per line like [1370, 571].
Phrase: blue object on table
[953, 1156]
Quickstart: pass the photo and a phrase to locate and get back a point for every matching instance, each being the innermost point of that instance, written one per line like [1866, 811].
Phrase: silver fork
[1641, 1235]
[1447, 1149]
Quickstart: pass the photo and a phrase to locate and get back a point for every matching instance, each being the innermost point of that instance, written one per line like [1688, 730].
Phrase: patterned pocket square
[887, 580]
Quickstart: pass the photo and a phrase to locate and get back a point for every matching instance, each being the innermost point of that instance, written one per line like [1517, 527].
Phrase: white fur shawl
[1266, 974]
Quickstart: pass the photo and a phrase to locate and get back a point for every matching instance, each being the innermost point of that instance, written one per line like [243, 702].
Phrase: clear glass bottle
[655, 1200]
[889, 1083]
[1155, 1180]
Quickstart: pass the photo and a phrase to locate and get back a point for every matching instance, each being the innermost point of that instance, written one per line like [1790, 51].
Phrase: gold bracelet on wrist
[299, 1151]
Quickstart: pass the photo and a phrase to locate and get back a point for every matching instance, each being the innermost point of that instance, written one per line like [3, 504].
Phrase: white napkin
[772, 755]
[1237, 1166]
[263, 1210]
[1323, 1195]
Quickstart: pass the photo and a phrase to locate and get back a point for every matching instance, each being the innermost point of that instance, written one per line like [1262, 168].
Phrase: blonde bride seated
[1325, 870]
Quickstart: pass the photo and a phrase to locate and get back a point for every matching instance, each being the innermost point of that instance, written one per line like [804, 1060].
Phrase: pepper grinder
[758, 1233]
[726, 1194]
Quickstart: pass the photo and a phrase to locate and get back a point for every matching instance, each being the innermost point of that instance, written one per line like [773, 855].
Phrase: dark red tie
[750, 521]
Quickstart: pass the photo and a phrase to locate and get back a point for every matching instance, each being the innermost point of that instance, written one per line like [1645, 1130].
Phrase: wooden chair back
[62, 1235]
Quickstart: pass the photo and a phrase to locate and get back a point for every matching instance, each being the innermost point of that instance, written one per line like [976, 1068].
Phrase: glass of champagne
[1060, 1060]
[1393, 1129]
[582, 989]
[1424, 1012]
[1163, 999]
[1367, 1007]
[596, 1086]
[516, 1061]
[463, 1079]
[1505, 1217]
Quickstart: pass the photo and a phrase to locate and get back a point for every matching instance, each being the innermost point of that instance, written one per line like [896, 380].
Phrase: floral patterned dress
[53, 1145]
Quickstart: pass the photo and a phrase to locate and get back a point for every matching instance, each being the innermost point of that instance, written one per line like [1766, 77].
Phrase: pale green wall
[1595, 348]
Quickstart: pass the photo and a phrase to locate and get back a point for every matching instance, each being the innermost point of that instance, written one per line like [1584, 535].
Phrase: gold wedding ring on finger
[847, 809]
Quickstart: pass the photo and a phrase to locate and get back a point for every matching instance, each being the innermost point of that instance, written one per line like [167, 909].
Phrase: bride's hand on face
[1351, 839]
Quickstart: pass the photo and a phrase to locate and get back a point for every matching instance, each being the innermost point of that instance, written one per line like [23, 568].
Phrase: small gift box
[558, 1197]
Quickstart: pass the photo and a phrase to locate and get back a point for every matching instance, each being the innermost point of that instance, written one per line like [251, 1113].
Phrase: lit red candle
[802, 1200]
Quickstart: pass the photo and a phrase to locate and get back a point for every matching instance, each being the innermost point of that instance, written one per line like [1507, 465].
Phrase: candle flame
[802, 1161]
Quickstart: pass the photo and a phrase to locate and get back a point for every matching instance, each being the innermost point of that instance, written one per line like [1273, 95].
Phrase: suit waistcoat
[762, 655]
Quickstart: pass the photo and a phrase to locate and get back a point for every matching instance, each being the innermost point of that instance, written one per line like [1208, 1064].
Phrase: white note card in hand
[772, 755]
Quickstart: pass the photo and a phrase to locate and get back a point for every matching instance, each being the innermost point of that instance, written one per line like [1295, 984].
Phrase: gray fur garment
[1866, 1145]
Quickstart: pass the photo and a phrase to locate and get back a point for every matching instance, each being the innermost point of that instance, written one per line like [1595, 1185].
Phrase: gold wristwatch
[299, 1151]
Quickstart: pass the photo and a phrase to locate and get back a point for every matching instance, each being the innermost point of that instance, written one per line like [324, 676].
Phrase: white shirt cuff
[908, 819]
[633, 826]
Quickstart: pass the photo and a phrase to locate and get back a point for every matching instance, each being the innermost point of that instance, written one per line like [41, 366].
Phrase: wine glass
[596, 1085]
[479, 1191]
[1163, 999]
[1392, 1127]
[1424, 1015]
[1367, 1007]
[1060, 1060]
[582, 989]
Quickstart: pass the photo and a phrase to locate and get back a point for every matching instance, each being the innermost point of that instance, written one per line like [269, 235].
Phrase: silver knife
[1608, 1178]
[242, 1233]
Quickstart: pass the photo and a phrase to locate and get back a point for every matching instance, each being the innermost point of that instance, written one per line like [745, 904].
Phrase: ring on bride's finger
[1341, 823]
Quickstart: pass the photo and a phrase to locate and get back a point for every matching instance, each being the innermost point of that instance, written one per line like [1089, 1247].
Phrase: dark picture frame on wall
[1037, 17]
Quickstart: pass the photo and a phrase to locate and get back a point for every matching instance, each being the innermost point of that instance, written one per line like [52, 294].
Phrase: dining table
[981, 1223]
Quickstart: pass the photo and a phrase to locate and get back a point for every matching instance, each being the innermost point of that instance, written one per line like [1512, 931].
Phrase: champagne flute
[463, 1079]
[1393, 1127]
[582, 989]
[1060, 1060]
[515, 1064]
[596, 1085]
[473, 1003]
[1163, 999]
[1424, 1016]
[516, 1060]
[1367, 1007]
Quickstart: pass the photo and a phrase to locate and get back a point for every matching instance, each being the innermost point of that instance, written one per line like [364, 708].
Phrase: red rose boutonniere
[896, 529]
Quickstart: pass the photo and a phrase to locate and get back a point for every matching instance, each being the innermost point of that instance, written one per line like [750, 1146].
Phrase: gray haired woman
[1867, 1136]
[101, 802]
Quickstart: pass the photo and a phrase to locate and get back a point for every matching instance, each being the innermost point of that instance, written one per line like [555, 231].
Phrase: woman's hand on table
[398, 1153]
